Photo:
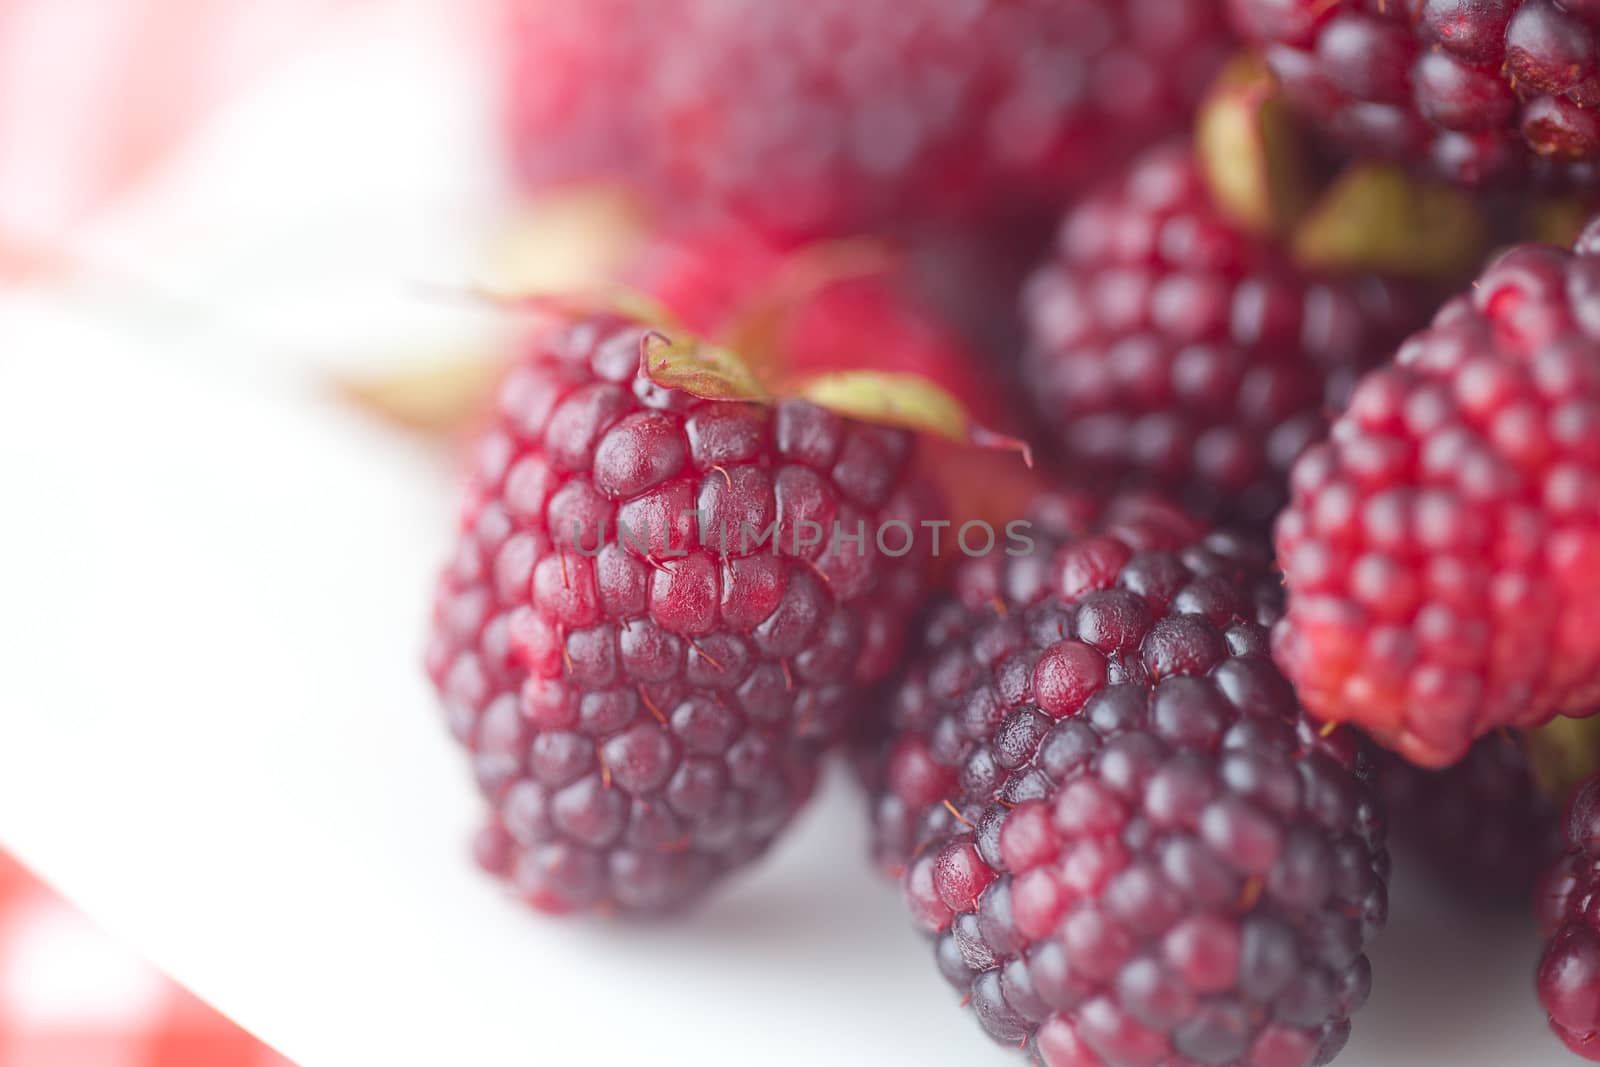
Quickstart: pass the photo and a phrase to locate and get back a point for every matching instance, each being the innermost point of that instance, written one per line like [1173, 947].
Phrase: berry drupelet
[1129, 845]
[1169, 344]
[1442, 549]
[1482, 89]
[836, 115]
[643, 673]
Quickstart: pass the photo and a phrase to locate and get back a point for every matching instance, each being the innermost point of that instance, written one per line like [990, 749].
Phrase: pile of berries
[1144, 586]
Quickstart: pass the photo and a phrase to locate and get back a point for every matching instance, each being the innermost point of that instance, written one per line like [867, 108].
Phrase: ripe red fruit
[1442, 549]
[1129, 845]
[1569, 974]
[1168, 344]
[835, 115]
[644, 691]
[1480, 89]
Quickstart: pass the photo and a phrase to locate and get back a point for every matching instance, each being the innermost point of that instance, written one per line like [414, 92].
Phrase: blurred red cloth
[71, 996]
[93, 94]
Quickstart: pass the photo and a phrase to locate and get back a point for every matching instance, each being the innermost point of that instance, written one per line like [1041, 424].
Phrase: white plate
[218, 740]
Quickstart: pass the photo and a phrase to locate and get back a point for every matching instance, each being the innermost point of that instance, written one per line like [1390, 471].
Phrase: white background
[214, 730]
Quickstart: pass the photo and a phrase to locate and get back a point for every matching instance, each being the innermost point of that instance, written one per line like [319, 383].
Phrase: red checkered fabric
[71, 996]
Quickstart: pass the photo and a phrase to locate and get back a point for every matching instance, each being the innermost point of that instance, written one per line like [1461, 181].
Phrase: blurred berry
[836, 115]
[1169, 345]
[1484, 828]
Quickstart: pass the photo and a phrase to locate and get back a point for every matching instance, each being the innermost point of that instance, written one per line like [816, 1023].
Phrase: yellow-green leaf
[1250, 149]
[442, 395]
[1562, 753]
[1557, 220]
[1378, 218]
[909, 401]
[711, 372]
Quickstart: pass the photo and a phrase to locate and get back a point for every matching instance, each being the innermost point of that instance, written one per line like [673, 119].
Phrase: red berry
[1154, 861]
[1484, 89]
[832, 115]
[1168, 344]
[1569, 974]
[1442, 549]
[644, 702]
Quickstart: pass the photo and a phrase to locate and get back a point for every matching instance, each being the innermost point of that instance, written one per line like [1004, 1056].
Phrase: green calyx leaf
[699, 368]
[1557, 220]
[908, 401]
[1251, 150]
[1378, 218]
[1562, 753]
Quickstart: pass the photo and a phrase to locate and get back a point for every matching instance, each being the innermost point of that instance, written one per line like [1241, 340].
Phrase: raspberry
[1128, 843]
[1483, 90]
[1442, 549]
[1569, 974]
[1167, 343]
[835, 115]
[644, 691]
[1484, 828]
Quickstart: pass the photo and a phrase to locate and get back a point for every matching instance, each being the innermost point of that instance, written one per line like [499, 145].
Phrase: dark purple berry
[1164, 862]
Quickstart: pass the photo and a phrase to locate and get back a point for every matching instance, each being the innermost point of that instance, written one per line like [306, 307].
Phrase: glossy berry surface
[1481, 89]
[639, 640]
[1483, 828]
[835, 115]
[1167, 344]
[1442, 549]
[1569, 915]
[1129, 846]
